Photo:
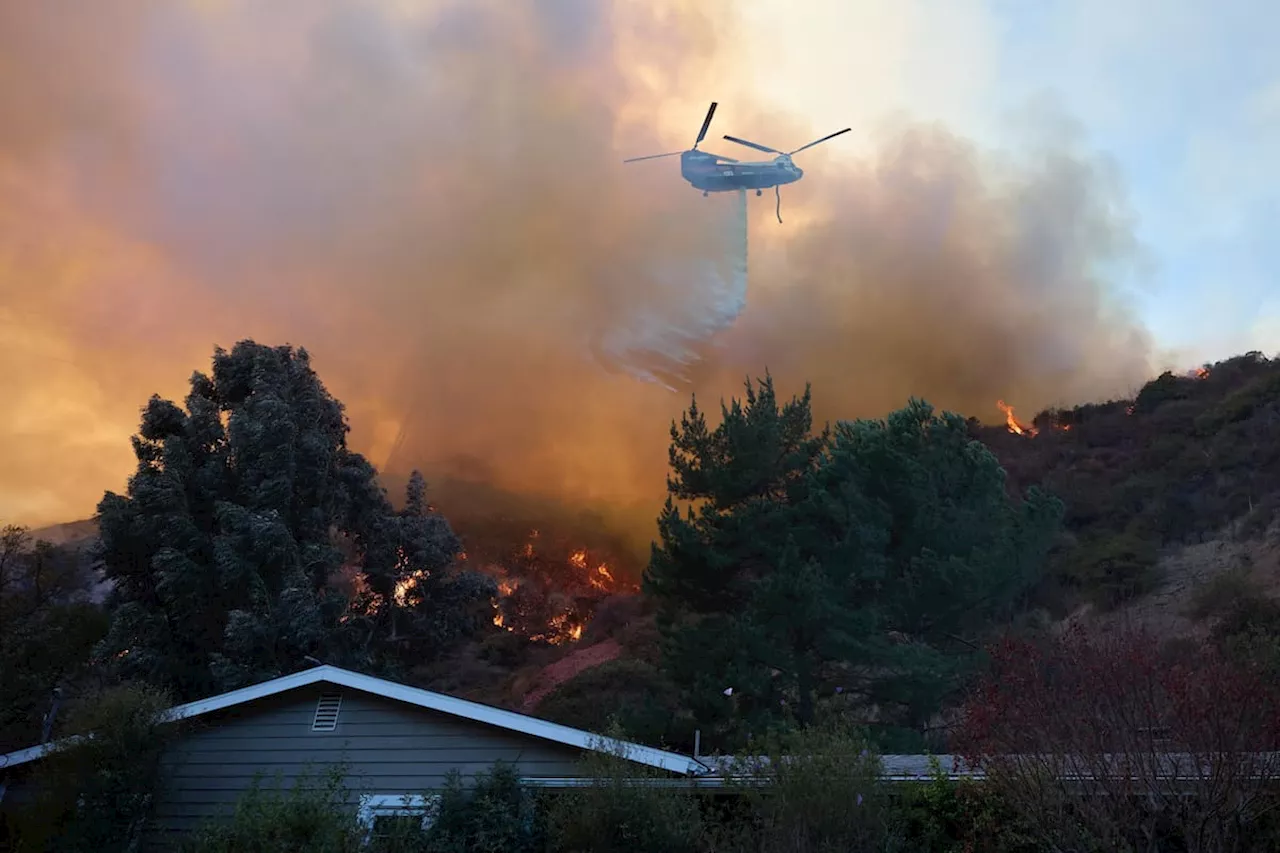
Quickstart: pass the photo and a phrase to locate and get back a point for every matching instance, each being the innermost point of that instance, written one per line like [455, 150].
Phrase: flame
[561, 630]
[578, 559]
[1012, 422]
[506, 586]
[1128, 410]
[602, 579]
[1199, 373]
[498, 620]
[364, 601]
[407, 583]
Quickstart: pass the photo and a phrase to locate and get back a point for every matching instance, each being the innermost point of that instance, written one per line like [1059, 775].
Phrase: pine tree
[940, 552]
[244, 507]
[864, 561]
[743, 479]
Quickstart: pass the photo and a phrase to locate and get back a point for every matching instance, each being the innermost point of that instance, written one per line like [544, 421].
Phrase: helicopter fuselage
[712, 174]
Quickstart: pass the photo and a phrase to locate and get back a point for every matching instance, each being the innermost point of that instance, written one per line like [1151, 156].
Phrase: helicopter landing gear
[759, 193]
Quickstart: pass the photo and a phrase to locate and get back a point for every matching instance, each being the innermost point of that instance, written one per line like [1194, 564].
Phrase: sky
[1183, 97]
[1045, 202]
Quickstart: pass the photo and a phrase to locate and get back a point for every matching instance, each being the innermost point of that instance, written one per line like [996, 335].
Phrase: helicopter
[714, 173]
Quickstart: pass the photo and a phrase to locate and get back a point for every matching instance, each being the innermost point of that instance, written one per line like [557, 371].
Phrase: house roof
[462, 708]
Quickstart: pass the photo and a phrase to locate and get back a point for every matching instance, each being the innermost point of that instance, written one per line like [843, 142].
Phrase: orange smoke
[430, 198]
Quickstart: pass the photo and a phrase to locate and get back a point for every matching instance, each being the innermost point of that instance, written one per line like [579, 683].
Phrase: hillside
[1169, 499]
[1191, 460]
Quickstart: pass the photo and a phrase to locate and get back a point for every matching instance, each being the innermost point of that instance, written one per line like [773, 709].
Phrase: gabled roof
[487, 714]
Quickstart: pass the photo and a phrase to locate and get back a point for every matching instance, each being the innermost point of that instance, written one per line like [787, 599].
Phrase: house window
[326, 718]
[382, 814]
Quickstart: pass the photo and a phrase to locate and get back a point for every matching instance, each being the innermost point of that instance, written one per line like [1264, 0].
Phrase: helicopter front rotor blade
[706, 123]
[755, 145]
[816, 141]
[652, 157]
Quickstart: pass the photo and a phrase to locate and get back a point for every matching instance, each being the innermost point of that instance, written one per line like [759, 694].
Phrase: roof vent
[327, 712]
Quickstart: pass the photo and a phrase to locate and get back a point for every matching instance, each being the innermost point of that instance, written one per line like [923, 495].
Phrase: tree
[47, 629]
[96, 788]
[743, 480]
[1106, 742]
[865, 562]
[915, 526]
[243, 510]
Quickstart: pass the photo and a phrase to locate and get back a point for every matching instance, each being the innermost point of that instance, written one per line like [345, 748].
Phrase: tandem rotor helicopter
[713, 173]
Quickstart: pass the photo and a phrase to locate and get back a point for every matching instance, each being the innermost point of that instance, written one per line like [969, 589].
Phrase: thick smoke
[429, 197]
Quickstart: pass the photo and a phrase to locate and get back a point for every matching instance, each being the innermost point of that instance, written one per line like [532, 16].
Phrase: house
[396, 743]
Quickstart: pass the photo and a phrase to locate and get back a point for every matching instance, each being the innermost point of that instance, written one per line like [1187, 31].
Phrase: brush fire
[547, 588]
[1015, 426]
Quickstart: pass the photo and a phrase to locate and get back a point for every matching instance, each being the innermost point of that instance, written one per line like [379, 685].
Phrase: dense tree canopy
[245, 510]
[48, 624]
[864, 561]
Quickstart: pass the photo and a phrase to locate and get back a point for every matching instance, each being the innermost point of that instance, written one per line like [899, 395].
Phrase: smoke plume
[430, 198]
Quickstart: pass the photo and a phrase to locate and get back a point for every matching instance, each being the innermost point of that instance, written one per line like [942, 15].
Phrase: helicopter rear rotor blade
[817, 141]
[652, 157]
[706, 123]
[755, 145]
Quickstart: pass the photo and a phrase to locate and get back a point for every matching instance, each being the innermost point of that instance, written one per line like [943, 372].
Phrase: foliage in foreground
[96, 792]
[624, 808]
[804, 793]
[1109, 742]
[306, 818]
[47, 629]
[491, 815]
[811, 791]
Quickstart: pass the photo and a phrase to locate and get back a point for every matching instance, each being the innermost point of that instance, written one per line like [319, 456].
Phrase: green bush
[495, 815]
[624, 808]
[813, 791]
[942, 816]
[308, 818]
[97, 786]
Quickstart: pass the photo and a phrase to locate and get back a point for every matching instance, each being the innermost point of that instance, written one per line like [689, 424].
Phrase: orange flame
[407, 583]
[561, 630]
[1014, 425]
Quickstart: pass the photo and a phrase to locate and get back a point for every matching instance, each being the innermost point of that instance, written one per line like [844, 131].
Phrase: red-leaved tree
[1105, 742]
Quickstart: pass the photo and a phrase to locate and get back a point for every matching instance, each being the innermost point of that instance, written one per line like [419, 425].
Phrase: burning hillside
[552, 566]
[548, 587]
